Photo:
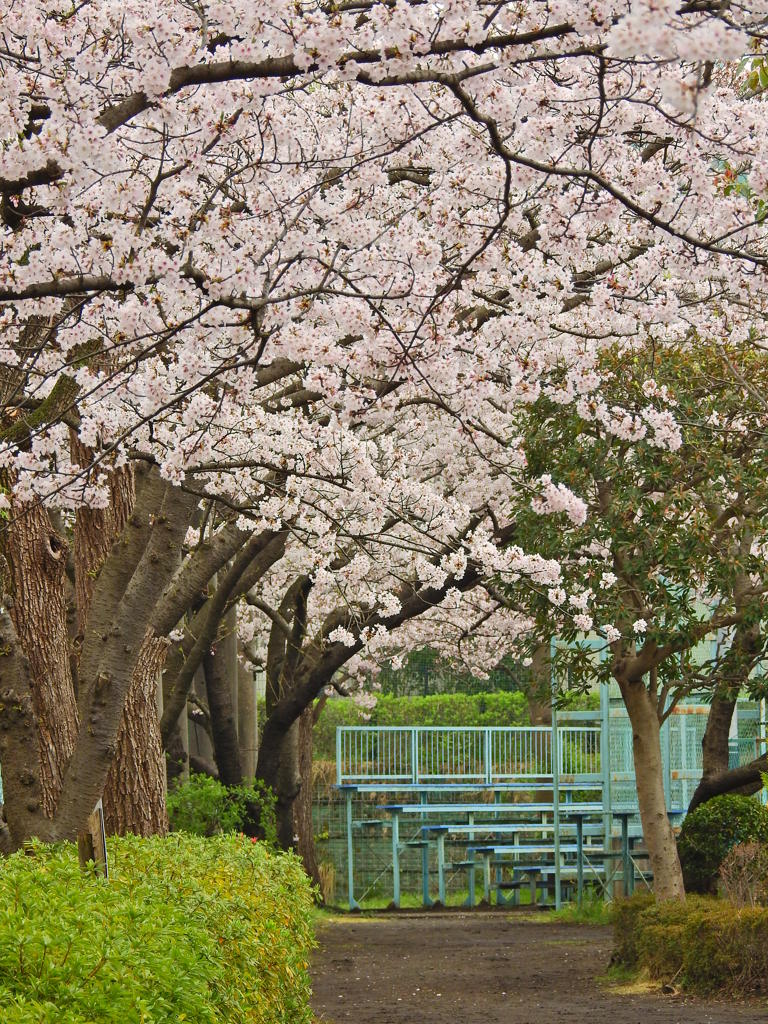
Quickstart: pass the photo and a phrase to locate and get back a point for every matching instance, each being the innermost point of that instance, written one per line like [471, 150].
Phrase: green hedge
[205, 931]
[502, 708]
[704, 945]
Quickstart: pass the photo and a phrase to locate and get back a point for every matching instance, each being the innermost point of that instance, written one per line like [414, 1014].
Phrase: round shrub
[711, 831]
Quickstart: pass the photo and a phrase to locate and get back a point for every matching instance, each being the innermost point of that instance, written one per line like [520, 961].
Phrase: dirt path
[485, 969]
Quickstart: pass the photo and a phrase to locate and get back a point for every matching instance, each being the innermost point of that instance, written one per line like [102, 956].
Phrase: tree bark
[540, 688]
[220, 667]
[97, 529]
[287, 786]
[247, 720]
[252, 561]
[37, 558]
[19, 744]
[125, 596]
[302, 807]
[746, 779]
[134, 793]
[657, 831]
[714, 742]
[716, 777]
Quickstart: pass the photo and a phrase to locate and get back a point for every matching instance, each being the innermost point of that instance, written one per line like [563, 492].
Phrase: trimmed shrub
[705, 945]
[714, 828]
[744, 875]
[205, 931]
[625, 915]
[203, 806]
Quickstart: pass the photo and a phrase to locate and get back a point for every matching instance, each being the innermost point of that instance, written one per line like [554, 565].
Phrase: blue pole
[353, 904]
[605, 769]
[555, 756]
[396, 858]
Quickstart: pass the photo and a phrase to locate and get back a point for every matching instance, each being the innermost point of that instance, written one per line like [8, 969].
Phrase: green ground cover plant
[711, 831]
[203, 806]
[187, 929]
[704, 945]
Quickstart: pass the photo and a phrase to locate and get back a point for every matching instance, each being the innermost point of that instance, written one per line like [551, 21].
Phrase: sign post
[92, 843]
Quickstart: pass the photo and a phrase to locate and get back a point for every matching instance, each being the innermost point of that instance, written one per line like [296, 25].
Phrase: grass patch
[593, 910]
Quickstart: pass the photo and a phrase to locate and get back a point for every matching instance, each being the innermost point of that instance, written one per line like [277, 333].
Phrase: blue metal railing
[474, 755]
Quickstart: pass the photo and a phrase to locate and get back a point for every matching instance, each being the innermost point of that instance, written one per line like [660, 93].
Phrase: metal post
[579, 860]
[500, 897]
[353, 904]
[555, 755]
[441, 867]
[396, 858]
[625, 852]
[425, 897]
[605, 769]
[471, 859]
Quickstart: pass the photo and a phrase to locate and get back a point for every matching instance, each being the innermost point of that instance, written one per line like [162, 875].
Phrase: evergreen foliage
[203, 806]
[186, 929]
[711, 831]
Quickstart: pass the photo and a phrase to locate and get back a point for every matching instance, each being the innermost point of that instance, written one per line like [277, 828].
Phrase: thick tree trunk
[716, 777]
[134, 793]
[540, 688]
[177, 753]
[125, 597]
[37, 558]
[747, 779]
[97, 529]
[657, 831]
[220, 667]
[125, 594]
[19, 744]
[714, 743]
[247, 720]
[287, 786]
[302, 807]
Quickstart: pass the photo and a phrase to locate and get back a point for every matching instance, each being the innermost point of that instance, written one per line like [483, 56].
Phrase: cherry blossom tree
[670, 457]
[241, 241]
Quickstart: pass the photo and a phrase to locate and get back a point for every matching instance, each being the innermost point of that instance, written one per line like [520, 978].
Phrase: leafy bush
[711, 830]
[204, 807]
[705, 945]
[625, 929]
[187, 929]
[744, 874]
